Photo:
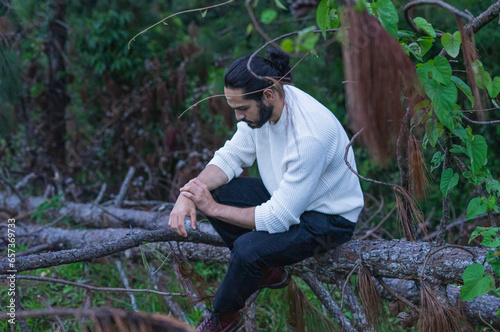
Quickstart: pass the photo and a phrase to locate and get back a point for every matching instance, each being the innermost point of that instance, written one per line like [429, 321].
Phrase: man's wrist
[214, 210]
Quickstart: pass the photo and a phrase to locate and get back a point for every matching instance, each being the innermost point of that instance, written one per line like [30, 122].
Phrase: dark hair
[276, 66]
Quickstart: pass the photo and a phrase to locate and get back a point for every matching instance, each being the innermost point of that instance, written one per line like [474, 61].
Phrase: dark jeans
[253, 251]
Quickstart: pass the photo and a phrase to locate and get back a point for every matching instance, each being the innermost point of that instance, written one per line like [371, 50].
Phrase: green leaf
[448, 181]
[432, 131]
[326, 17]
[492, 257]
[490, 203]
[443, 98]
[287, 44]
[436, 161]
[492, 185]
[451, 43]
[268, 16]
[464, 88]
[475, 208]
[483, 78]
[458, 149]
[204, 13]
[423, 73]
[388, 16]
[306, 39]
[441, 71]
[494, 87]
[489, 234]
[425, 44]
[425, 26]
[475, 284]
[414, 48]
[280, 5]
[477, 149]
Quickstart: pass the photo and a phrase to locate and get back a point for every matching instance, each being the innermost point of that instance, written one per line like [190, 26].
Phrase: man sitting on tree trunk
[306, 202]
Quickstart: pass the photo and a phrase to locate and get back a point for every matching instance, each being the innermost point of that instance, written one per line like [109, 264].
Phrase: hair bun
[279, 60]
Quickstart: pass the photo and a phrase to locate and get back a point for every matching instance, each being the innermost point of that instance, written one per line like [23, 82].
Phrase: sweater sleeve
[305, 162]
[238, 152]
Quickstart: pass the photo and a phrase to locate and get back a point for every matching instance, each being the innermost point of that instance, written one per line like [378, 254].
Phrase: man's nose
[239, 115]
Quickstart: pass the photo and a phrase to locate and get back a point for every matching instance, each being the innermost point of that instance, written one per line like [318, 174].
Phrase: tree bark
[54, 122]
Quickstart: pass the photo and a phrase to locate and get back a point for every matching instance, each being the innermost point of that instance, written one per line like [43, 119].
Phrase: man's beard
[265, 113]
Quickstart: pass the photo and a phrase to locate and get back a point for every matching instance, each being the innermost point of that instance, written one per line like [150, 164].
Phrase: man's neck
[278, 110]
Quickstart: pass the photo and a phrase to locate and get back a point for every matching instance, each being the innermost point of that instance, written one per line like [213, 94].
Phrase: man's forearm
[213, 177]
[243, 217]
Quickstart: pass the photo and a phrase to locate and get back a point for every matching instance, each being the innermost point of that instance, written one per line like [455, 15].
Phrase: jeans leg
[257, 250]
[240, 192]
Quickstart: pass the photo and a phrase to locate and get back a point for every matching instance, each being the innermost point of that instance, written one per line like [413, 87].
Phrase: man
[306, 203]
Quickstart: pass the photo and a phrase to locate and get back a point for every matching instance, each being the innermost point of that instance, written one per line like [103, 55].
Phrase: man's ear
[268, 94]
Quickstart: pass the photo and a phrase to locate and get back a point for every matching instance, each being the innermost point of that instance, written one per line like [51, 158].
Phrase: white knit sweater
[301, 162]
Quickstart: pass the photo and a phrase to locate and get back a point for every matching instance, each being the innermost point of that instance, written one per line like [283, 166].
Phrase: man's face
[254, 113]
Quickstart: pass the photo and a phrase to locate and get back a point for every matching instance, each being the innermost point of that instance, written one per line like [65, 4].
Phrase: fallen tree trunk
[481, 308]
[396, 259]
[90, 214]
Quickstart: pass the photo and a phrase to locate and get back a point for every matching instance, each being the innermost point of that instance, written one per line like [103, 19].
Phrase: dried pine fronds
[194, 285]
[409, 214]
[419, 182]
[303, 314]
[118, 320]
[471, 55]
[370, 297]
[436, 316]
[380, 80]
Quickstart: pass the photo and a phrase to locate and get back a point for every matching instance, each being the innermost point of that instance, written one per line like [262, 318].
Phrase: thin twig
[257, 25]
[381, 205]
[439, 3]
[396, 295]
[123, 189]
[484, 18]
[24, 181]
[50, 307]
[345, 283]
[370, 232]
[101, 194]
[33, 250]
[126, 284]
[272, 41]
[89, 287]
[326, 299]
[354, 171]
[178, 13]
[481, 122]
[430, 254]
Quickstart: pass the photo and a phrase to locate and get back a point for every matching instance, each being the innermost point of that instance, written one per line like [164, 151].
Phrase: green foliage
[464, 88]
[425, 26]
[476, 207]
[387, 14]
[55, 202]
[448, 181]
[327, 16]
[475, 283]
[268, 16]
[451, 43]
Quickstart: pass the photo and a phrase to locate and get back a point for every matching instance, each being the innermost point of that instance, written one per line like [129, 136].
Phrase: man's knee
[245, 253]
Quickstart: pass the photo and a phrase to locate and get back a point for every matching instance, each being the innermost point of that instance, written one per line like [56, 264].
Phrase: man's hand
[198, 192]
[184, 207]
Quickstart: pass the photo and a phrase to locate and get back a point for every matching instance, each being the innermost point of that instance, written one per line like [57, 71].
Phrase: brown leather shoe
[218, 322]
[275, 277]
